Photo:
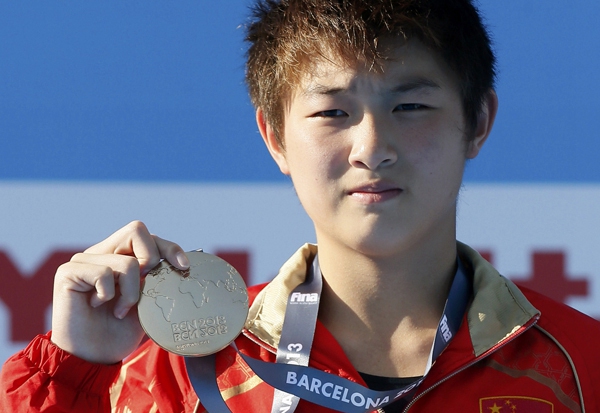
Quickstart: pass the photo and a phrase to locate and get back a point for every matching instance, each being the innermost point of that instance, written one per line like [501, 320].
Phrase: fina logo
[446, 333]
[305, 298]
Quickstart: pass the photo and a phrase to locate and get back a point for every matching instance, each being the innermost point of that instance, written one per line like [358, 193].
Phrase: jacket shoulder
[578, 336]
[557, 317]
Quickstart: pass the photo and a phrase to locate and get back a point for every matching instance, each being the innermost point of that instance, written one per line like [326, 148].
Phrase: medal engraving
[195, 312]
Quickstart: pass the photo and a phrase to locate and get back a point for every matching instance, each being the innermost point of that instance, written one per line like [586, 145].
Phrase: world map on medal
[193, 312]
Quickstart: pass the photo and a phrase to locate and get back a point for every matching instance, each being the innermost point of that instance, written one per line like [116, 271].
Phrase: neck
[386, 305]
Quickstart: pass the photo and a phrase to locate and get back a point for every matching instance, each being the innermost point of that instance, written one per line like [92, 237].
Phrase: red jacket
[512, 354]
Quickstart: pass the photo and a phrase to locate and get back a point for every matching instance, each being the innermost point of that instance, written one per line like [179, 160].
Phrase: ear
[275, 148]
[484, 124]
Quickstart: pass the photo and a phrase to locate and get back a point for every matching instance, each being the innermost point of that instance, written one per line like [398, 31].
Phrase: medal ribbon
[291, 377]
[298, 331]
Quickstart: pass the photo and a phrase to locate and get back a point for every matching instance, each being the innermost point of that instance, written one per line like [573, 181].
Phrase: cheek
[436, 139]
[332, 163]
[423, 147]
[318, 159]
[438, 157]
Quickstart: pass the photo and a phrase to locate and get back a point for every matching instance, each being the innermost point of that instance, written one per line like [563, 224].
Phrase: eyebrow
[317, 89]
[403, 87]
[415, 85]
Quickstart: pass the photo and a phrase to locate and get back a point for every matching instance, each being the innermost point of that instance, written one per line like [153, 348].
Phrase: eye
[332, 113]
[410, 107]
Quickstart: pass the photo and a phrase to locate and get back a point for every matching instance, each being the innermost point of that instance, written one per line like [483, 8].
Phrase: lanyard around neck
[291, 377]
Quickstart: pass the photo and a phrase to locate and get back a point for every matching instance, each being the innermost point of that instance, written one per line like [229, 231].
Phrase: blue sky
[153, 91]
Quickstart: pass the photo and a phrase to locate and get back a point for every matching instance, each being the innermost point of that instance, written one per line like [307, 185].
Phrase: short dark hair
[285, 36]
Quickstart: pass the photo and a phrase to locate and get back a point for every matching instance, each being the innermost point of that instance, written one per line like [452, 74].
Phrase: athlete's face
[377, 158]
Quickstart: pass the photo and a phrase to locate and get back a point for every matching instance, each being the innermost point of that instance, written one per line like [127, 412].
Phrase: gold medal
[195, 312]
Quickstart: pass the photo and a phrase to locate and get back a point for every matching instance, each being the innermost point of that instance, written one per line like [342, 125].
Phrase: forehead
[402, 62]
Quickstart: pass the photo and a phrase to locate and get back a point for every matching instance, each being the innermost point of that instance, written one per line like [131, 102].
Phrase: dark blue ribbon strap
[291, 377]
[203, 376]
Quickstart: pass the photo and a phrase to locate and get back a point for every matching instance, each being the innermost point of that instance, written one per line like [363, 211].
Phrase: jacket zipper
[531, 323]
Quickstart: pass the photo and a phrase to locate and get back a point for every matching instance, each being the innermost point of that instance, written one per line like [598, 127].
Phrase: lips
[375, 192]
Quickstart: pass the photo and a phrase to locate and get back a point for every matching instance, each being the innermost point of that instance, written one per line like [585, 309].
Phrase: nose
[372, 145]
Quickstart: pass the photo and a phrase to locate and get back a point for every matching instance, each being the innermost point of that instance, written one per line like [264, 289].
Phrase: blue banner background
[153, 91]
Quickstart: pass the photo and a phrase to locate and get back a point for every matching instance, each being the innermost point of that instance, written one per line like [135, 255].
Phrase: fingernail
[96, 301]
[121, 313]
[182, 260]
